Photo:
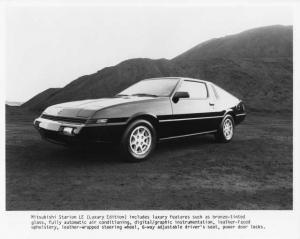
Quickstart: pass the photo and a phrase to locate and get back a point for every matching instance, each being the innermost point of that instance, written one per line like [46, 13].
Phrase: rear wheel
[226, 129]
[138, 141]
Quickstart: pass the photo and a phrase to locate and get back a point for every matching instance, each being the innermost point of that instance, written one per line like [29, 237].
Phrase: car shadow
[187, 142]
[109, 153]
[100, 154]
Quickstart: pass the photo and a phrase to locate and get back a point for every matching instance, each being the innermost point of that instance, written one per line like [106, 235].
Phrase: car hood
[85, 108]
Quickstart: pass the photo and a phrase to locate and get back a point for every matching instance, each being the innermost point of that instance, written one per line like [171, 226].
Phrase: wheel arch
[145, 116]
[231, 113]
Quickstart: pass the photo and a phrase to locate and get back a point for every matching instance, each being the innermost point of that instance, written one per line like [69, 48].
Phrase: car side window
[196, 90]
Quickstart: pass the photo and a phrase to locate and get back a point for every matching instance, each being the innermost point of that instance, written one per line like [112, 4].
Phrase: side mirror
[180, 94]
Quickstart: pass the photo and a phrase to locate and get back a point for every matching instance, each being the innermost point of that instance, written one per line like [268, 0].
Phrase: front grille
[64, 119]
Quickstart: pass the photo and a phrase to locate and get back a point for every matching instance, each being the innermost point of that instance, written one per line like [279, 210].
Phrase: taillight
[241, 107]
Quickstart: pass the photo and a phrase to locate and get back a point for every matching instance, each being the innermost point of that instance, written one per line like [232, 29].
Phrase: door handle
[211, 104]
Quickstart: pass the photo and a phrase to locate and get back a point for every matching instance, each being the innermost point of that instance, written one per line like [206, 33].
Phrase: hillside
[41, 98]
[107, 82]
[255, 65]
[271, 41]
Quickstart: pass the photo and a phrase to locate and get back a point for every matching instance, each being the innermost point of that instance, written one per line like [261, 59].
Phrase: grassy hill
[255, 65]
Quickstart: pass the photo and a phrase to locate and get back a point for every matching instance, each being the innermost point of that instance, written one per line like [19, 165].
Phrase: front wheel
[226, 129]
[138, 141]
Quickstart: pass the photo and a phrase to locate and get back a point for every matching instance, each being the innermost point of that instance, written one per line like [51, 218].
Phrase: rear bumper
[53, 131]
[239, 118]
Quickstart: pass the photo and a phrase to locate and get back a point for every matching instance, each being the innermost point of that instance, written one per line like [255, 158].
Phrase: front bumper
[54, 132]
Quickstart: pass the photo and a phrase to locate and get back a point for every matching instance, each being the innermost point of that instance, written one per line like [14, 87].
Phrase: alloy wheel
[228, 129]
[140, 140]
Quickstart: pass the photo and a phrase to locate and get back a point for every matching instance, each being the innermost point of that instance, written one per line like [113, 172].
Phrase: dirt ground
[254, 171]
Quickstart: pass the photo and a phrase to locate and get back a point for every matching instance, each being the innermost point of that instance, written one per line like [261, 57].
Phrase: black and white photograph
[149, 108]
[113, 107]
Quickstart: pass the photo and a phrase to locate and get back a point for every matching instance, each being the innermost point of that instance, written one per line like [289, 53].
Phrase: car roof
[177, 78]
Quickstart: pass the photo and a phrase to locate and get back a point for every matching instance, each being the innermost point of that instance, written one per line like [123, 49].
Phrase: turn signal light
[97, 121]
[101, 121]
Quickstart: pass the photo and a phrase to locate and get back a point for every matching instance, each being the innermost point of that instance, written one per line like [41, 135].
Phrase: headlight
[68, 131]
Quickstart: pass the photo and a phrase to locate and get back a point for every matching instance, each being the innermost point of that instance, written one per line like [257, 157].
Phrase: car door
[196, 113]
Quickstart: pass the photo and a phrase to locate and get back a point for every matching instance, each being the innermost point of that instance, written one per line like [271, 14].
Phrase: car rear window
[214, 91]
[222, 93]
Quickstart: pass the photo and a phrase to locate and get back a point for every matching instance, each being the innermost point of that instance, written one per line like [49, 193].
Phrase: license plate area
[53, 126]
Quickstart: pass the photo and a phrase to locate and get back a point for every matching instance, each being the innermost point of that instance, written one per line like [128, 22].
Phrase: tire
[138, 141]
[225, 130]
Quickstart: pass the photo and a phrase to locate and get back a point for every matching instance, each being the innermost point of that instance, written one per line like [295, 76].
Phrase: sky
[50, 46]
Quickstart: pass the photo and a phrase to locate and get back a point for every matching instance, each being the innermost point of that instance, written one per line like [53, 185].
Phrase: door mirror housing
[180, 94]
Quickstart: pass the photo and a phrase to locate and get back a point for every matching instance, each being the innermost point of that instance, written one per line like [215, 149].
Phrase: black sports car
[147, 112]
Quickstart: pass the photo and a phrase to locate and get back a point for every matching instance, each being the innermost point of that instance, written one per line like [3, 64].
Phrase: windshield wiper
[120, 95]
[145, 94]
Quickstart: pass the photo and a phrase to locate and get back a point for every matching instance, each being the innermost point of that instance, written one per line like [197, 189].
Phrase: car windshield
[151, 87]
